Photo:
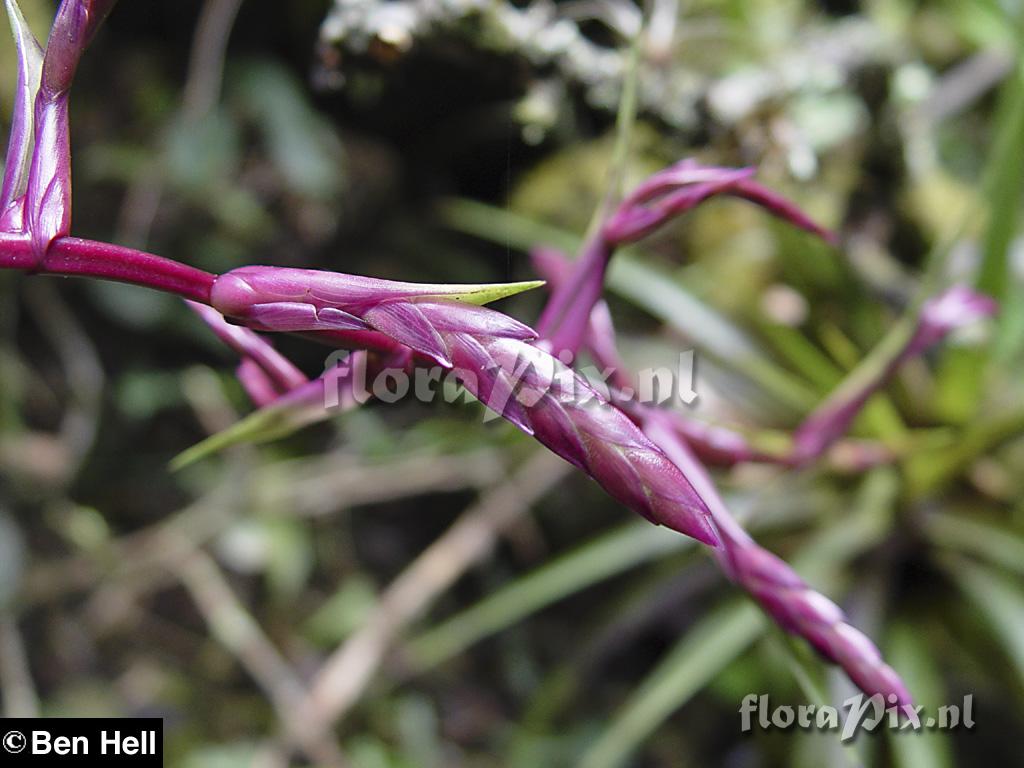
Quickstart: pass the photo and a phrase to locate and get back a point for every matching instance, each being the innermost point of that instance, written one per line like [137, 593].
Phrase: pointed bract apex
[485, 293]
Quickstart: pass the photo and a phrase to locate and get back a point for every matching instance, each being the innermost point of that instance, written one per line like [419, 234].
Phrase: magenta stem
[75, 257]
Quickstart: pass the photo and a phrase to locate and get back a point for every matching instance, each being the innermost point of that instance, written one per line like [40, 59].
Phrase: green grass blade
[1004, 192]
[797, 659]
[706, 650]
[909, 652]
[928, 471]
[608, 555]
[1000, 600]
[261, 426]
[998, 545]
[1004, 185]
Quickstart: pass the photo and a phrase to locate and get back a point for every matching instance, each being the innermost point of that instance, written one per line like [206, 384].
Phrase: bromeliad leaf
[283, 417]
[305, 404]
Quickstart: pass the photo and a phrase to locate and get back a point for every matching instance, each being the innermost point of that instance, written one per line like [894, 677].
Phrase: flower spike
[493, 356]
[653, 204]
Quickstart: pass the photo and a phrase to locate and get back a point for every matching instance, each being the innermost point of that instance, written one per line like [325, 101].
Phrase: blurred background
[440, 591]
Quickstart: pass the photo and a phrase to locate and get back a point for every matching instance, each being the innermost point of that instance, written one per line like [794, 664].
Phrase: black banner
[137, 741]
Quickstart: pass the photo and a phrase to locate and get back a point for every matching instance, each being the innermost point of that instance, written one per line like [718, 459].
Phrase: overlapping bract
[780, 591]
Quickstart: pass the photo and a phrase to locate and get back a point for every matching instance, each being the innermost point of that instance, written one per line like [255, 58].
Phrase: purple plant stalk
[75, 257]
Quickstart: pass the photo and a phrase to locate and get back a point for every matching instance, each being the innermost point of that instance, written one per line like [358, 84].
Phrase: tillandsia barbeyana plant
[652, 460]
